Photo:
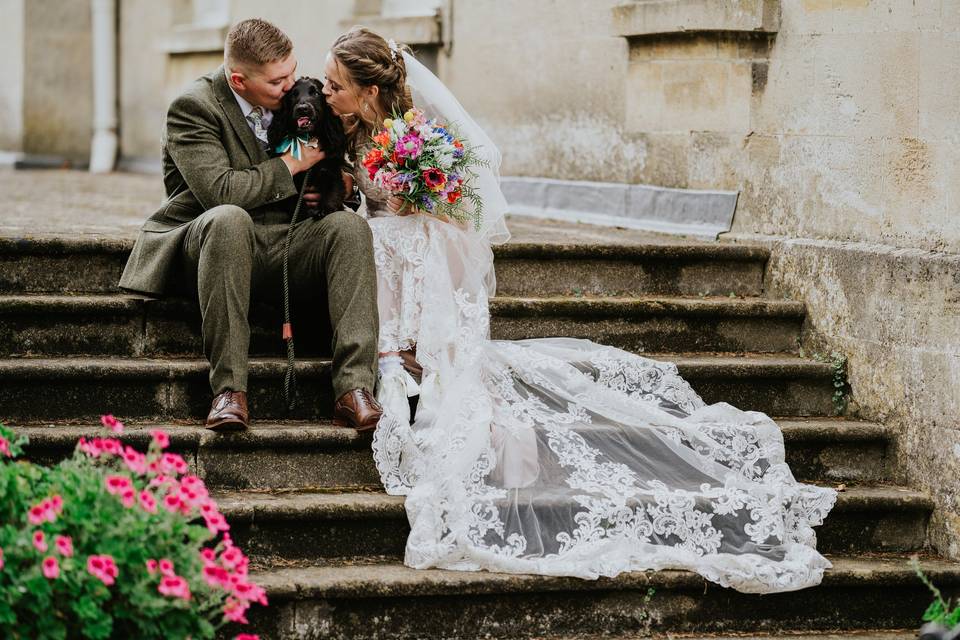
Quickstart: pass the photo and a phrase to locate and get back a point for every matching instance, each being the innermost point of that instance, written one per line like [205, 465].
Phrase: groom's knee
[345, 227]
[228, 226]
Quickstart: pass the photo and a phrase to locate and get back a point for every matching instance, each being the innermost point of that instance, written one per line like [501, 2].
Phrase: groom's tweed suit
[220, 232]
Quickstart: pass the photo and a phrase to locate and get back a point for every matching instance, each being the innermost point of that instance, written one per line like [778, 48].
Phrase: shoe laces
[366, 399]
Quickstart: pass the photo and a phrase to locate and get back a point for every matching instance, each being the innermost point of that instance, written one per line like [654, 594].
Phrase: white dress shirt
[246, 108]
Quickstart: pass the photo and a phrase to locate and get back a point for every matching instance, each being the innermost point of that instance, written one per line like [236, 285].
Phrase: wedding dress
[560, 456]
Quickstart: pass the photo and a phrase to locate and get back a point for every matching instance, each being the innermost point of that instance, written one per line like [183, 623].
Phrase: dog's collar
[295, 144]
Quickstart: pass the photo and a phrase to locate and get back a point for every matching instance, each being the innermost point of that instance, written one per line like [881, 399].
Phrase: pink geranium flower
[5, 447]
[112, 423]
[174, 587]
[173, 463]
[40, 541]
[102, 567]
[166, 568]
[234, 610]
[51, 568]
[247, 636]
[152, 566]
[45, 510]
[135, 461]
[1, 558]
[216, 576]
[116, 485]
[147, 502]
[161, 438]
[64, 545]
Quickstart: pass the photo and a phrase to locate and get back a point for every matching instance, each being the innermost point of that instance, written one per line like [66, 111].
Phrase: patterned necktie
[256, 119]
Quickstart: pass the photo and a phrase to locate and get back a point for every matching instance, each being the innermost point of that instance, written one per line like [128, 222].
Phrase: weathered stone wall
[895, 314]
[57, 77]
[11, 70]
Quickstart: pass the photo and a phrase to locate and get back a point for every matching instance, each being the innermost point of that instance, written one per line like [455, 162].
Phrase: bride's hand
[400, 207]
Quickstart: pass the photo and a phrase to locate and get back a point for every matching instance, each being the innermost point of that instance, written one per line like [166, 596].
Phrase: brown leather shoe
[357, 408]
[228, 412]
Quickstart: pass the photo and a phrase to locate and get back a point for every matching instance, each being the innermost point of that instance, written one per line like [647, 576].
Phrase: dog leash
[290, 378]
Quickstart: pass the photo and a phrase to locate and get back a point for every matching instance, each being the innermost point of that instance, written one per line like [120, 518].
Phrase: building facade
[836, 121]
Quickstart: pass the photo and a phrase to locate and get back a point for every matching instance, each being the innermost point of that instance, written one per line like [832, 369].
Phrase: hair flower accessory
[394, 48]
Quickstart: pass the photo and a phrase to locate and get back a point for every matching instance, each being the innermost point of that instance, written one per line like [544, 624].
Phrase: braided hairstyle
[367, 60]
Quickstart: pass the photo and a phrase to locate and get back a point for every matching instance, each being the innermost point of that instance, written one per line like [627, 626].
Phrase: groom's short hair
[253, 43]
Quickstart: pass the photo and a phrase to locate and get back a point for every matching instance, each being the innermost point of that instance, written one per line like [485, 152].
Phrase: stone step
[392, 601]
[310, 527]
[55, 325]
[858, 634]
[81, 388]
[93, 265]
[321, 456]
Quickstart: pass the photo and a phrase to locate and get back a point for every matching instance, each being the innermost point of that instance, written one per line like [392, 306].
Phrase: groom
[222, 227]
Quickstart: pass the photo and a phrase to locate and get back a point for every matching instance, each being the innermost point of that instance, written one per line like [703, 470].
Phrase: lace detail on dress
[563, 457]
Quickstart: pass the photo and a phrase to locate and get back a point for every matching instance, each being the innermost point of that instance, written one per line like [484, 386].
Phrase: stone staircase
[303, 497]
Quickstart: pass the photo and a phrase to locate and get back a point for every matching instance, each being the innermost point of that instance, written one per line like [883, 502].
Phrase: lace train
[559, 456]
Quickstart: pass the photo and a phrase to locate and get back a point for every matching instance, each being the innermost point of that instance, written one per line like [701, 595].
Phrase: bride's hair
[369, 60]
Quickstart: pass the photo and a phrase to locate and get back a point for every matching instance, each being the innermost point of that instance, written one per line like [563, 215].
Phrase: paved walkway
[52, 202]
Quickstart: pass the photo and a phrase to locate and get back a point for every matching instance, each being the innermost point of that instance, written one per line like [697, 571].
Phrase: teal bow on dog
[294, 144]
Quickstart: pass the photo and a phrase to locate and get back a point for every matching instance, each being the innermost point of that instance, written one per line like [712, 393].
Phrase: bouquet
[115, 543]
[427, 164]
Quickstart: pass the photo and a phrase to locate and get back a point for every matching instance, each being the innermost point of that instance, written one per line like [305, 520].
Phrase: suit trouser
[233, 256]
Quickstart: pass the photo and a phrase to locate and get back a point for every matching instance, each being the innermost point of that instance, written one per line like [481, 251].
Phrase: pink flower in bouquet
[161, 438]
[64, 545]
[112, 423]
[409, 146]
[51, 568]
[103, 568]
[5, 447]
[174, 587]
[40, 541]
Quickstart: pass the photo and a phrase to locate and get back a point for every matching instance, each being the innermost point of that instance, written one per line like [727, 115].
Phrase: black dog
[305, 113]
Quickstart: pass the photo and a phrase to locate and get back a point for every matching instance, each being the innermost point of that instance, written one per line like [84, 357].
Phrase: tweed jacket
[210, 158]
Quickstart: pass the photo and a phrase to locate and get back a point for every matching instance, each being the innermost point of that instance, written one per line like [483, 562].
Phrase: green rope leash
[290, 378]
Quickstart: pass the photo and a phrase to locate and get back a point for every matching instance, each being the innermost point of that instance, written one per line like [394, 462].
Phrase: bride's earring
[365, 107]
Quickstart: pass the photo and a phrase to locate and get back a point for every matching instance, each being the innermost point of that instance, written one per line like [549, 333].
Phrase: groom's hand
[309, 156]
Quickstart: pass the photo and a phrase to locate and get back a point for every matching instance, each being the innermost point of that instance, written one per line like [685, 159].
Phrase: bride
[551, 456]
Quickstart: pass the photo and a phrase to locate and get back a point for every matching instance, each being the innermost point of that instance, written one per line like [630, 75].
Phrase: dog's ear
[280, 125]
[330, 130]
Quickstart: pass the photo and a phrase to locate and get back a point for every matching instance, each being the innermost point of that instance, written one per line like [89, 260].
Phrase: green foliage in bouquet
[110, 543]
